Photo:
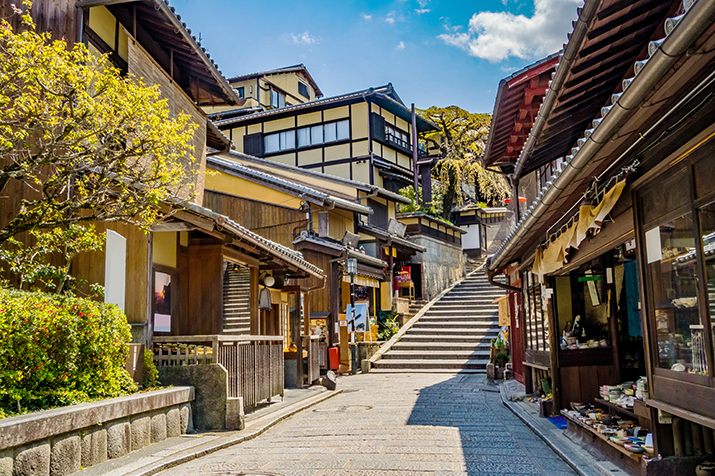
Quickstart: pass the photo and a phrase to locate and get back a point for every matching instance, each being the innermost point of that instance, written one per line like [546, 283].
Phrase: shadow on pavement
[493, 440]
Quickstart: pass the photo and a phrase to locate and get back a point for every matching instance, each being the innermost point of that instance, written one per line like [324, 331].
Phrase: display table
[627, 461]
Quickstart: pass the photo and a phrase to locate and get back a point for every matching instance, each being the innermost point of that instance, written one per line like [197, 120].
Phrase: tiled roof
[631, 105]
[315, 196]
[291, 256]
[350, 253]
[381, 192]
[383, 94]
[287, 69]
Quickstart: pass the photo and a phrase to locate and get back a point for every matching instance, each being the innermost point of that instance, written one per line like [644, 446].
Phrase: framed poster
[361, 310]
[162, 302]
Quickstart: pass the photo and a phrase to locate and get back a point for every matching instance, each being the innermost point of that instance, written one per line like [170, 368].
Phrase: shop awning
[362, 280]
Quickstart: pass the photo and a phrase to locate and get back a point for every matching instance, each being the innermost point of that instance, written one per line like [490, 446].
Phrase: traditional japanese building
[608, 267]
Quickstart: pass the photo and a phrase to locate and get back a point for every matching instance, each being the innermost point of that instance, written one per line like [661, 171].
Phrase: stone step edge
[388, 345]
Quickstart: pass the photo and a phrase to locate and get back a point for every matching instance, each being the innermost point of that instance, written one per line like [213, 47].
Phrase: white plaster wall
[471, 241]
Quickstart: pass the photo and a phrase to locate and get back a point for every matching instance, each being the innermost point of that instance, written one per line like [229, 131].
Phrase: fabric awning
[362, 280]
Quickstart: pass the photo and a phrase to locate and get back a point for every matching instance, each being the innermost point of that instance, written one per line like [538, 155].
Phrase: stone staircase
[453, 335]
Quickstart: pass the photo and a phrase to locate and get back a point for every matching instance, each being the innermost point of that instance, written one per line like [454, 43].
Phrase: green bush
[60, 350]
[387, 325]
[151, 373]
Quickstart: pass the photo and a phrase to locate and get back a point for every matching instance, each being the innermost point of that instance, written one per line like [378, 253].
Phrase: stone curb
[568, 454]
[388, 345]
[260, 425]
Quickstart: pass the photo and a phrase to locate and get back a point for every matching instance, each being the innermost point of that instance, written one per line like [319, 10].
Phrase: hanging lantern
[264, 301]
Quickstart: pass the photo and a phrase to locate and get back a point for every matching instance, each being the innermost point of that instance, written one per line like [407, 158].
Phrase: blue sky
[435, 52]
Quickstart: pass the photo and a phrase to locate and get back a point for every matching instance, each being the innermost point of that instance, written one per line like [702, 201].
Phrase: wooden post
[554, 352]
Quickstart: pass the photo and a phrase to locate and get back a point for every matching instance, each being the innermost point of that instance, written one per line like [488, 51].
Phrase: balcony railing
[254, 363]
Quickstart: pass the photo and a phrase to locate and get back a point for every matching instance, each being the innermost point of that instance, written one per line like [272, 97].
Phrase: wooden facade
[641, 277]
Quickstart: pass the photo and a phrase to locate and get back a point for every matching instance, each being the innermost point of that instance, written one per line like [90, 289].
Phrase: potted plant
[501, 359]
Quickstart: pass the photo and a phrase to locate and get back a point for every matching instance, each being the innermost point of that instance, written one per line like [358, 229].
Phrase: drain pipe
[491, 275]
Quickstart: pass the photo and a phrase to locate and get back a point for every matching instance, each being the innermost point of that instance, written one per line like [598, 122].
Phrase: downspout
[562, 68]
[490, 277]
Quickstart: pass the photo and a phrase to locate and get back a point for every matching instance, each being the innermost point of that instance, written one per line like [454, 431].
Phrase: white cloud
[366, 17]
[390, 18]
[496, 36]
[423, 3]
[400, 46]
[304, 39]
[422, 10]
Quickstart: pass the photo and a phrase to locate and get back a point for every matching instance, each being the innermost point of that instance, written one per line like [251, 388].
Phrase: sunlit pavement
[393, 424]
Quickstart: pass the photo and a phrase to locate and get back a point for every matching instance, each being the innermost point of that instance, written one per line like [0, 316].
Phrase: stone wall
[64, 440]
[442, 264]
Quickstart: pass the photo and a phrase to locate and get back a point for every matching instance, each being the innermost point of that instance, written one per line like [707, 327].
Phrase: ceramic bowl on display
[633, 448]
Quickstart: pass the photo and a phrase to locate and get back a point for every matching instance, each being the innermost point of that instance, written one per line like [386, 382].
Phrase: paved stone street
[394, 424]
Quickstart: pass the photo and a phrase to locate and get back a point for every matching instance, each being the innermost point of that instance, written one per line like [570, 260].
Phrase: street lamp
[352, 271]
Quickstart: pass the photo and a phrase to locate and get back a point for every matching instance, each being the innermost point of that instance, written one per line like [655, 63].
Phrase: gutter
[663, 55]
[491, 274]
[562, 69]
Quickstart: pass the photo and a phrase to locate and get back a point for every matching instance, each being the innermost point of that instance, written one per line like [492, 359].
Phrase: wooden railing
[254, 363]
[312, 345]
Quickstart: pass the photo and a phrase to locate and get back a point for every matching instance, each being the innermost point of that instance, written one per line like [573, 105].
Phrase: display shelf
[617, 408]
[635, 457]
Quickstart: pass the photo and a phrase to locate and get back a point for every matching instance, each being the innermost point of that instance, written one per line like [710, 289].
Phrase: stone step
[449, 331]
[442, 346]
[447, 338]
[463, 313]
[454, 324]
[446, 321]
[431, 364]
[436, 355]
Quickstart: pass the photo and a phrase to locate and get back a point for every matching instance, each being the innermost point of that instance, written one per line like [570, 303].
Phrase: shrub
[387, 325]
[59, 350]
[151, 373]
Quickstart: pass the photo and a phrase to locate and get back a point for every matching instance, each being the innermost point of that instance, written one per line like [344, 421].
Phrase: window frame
[693, 206]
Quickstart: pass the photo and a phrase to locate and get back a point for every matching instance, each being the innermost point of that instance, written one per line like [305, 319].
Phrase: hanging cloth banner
[362, 280]
[555, 256]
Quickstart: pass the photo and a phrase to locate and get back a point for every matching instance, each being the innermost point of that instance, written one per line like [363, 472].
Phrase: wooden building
[267, 90]
[313, 213]
[364, 136]
[197, 272]
[609, 268]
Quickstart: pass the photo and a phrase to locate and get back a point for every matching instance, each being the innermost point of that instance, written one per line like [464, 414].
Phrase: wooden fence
[254, 363]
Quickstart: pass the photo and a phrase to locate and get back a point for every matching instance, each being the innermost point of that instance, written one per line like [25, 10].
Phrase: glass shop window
[679, 246]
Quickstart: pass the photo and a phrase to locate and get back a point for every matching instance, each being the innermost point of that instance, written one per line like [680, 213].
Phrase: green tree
[84, 143]
[460, 141]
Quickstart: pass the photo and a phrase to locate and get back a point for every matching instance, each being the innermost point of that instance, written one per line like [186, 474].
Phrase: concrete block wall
[62, 441]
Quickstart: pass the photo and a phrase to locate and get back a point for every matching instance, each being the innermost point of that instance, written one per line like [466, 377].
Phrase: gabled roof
[156, 21]
[655, 94]
[309, 194]
[517, 103]
[256, 162]
[296, 68]
[385, 96]
[283, 253]
[607, 37]
[345, 250]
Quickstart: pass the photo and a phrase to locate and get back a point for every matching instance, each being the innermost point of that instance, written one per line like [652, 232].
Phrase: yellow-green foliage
[151, 373]
[461, 139]
[59, 350]
[93, 144]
